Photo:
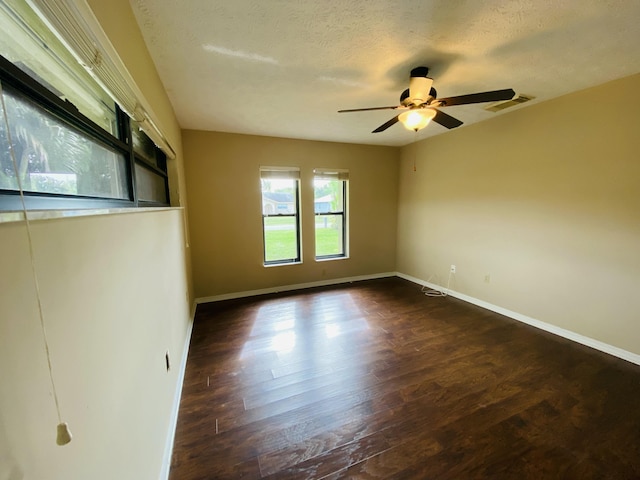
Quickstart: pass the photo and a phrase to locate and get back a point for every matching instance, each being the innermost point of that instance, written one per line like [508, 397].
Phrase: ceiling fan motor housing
[420, 72]
[433, 94]
[419, 86]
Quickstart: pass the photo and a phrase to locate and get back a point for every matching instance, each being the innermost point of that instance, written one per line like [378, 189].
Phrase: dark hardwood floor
[375, 380]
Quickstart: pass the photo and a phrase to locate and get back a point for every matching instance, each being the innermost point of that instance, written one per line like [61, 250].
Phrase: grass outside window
[282, 243]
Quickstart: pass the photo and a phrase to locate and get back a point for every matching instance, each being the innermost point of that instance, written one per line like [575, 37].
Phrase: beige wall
[545, 200]
[113, 291]
[115, 296]
[223, 180]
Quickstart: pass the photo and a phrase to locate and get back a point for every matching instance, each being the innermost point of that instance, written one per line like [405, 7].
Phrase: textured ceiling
[284, 67]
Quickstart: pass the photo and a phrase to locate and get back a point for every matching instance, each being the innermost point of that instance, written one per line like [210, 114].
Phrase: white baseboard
[561, 332]
[298, 286]
[173, 420]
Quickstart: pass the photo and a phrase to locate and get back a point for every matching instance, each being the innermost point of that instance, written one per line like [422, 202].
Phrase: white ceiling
[284, 67]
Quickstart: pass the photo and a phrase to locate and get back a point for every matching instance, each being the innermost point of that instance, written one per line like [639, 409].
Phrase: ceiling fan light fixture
[417, 118]
[421, 101]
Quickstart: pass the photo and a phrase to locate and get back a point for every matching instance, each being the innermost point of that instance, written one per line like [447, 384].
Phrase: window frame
[341, 176]
[139, 161]
[14, 79]
[157, 165]
[296, 215]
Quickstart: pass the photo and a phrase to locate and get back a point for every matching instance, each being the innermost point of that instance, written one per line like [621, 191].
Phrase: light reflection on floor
[303, 331]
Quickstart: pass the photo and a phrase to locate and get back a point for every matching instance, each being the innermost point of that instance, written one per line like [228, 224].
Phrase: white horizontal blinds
[73, 22]
[282, 173]
[331, 174]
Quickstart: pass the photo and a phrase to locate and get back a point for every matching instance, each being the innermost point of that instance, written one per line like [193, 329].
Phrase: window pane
[329, 235]
[280, 220]
[280, 239]
[53, 158]
[278, 196]
[150, 186]
[7, 170]
[329, 223]
[328, 195]
[31, 46]
[142, 144]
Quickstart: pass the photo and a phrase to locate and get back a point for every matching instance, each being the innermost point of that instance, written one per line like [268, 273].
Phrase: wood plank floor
[374, 380]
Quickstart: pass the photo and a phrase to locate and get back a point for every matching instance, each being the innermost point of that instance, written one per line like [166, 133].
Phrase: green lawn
[328, 241]
[280, 221]
[281, 244]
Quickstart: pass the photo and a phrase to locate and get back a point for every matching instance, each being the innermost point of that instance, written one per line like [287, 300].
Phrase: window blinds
[73, 22]
[331, 174]
[292, 173]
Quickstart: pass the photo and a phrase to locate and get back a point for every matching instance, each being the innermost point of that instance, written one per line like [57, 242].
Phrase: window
[330, 208]
[63, 140]
[152, 183]
[280, 214]
[53, 158]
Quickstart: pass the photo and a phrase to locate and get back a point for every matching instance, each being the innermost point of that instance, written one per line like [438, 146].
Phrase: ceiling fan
[419, 101]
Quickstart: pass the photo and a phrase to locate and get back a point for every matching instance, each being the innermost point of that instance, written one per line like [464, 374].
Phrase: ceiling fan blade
[367, 109]
[493, 96]
[446, 120]
[384, 126]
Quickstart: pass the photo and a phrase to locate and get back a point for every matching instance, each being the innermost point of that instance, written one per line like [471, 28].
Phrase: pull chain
[415, 150]
[63, 435]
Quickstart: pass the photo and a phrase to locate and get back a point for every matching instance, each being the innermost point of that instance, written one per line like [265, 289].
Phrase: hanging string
[63, 435]
[415, 149]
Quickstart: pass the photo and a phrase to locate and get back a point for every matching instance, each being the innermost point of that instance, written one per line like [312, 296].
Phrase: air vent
[517, 100]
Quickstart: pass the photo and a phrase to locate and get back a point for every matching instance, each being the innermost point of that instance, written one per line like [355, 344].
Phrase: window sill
[281, 264]
[329, 259]
[39, 215]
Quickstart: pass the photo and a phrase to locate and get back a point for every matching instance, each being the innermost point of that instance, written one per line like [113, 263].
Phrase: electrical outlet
[453, 269]
[487, 278]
